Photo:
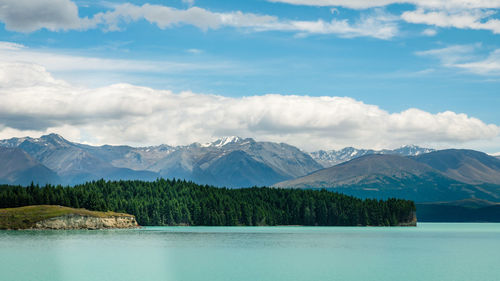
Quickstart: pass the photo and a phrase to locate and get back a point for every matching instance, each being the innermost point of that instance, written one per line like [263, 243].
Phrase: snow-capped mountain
[329, 158]
[74, 163]
[497, 155]
[223, 141]
[229, 161]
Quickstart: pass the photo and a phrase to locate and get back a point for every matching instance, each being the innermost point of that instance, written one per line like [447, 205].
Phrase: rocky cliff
[60, 217]
[75, 221]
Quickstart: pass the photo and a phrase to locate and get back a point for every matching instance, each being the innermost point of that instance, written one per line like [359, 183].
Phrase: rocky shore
[59, 217]
[74, 221]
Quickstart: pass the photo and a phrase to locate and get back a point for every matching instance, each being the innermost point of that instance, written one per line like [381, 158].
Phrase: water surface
[439, 252]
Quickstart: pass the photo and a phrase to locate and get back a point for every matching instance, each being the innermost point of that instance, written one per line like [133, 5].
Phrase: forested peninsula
[179, 202]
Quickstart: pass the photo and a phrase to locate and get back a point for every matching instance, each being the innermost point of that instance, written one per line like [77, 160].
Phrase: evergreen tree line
[178, 202]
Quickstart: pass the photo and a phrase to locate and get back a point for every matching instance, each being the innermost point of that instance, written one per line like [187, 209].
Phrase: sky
[317, 74]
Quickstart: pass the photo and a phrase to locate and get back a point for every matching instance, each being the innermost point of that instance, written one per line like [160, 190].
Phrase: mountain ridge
[243, 162]
[329, 158]
[18, 167]
[77, 163]
[384, 176]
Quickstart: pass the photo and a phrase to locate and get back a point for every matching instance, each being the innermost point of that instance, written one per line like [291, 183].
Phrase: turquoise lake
[439, 252]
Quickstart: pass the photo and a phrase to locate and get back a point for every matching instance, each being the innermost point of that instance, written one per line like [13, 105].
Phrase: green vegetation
[176, 202]
[26, 217]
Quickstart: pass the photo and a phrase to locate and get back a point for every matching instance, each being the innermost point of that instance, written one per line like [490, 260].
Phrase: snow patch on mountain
[329, 158]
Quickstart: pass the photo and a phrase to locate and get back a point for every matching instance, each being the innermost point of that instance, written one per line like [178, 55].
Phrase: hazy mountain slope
[329, 158]
[363, 170]
[238, 169]
[110, 173]
[195, 161]
[238, 162]
[467, 166]
[18, 167]
[383, 176]
[286, 159]
[73, 162]
[265, 162]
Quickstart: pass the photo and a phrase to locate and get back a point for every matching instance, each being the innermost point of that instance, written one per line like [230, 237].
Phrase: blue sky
[432, 56]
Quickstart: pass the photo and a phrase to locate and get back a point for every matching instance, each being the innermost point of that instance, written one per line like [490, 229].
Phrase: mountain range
[230, 161]
[447, 185]
[329, 158]
[411, 172]
[444, 175]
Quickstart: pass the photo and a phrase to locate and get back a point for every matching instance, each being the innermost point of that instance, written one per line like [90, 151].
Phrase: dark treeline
[176, 202]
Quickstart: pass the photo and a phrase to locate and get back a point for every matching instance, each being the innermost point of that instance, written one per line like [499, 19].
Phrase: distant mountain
[233, 162]
[329, 158]
[72, 162]
[383, 176]
[425, 176]
[230, 161]
[18, 167]
[237, 168]
[469, 166]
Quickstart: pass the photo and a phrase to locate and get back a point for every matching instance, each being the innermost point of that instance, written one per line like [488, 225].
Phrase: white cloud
[91, 69]
[28, 16]
[452, 54]
[379, 25]
[467, 57]
[487, 66]
[10, 46]
[463, 19]
[429, 32]
[366, 4]
[32, 102]
[56, 15]
[166, 17]
[31, 15]
[462, 14]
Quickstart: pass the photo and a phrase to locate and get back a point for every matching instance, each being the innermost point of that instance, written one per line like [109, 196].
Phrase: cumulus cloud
[468, 58]
[32, 102]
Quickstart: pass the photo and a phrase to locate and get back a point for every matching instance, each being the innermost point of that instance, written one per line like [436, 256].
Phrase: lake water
[439, 252]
